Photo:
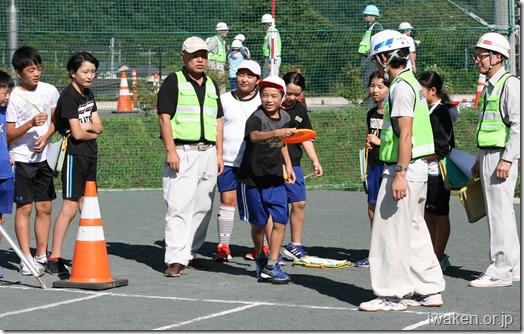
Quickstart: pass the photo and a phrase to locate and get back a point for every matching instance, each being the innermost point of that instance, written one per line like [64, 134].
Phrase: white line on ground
[43, 307]
[424, 323]
[238, 309]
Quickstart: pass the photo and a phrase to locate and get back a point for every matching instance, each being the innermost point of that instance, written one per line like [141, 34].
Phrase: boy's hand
[39, 119]
[286, 132]
[291, 177]
[40, 144]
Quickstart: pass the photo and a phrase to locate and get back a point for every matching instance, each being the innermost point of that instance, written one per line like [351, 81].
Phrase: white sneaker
[434, 300]
[486, 281]
[41, 263]
[24, 270]
[516, 277]
[383, 304]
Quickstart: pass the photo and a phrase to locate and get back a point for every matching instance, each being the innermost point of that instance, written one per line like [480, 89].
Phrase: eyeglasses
[480, 57]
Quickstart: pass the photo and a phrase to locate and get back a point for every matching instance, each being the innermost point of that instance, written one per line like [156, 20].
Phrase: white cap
[194, 44]
[275, 82]
[251, 66]
[240, 37]
[236, 44]
[405, 26]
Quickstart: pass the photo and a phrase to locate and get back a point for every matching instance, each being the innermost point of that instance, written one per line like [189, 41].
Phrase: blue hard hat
[371, 10]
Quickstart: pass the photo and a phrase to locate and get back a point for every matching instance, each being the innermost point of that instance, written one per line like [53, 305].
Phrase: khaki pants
[504, 245]
[189, 196]
[401, 257]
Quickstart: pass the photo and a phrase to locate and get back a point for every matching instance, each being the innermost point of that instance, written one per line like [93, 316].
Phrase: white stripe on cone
[90, 233]
[90, 208]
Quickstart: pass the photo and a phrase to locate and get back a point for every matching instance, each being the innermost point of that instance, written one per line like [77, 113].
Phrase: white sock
[225, 222]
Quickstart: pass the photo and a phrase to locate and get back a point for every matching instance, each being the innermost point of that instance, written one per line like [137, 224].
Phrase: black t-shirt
[374, 121]
[261, 164]
[73, 105]
[299, 120]
[167, 98]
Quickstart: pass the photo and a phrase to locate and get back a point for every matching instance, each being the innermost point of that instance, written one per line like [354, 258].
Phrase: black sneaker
[56, 267]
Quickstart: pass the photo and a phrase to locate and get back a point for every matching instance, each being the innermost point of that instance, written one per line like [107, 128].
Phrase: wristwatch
[399, 168]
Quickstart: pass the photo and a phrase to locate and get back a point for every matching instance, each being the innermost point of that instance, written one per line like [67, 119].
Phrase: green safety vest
[422, 138]
[365, 43]
[186, 124]
[221, 55]
[266, 49]
[491, 129]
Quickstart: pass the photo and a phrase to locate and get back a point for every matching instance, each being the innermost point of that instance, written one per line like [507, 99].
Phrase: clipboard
[452, 175]
[472, 198]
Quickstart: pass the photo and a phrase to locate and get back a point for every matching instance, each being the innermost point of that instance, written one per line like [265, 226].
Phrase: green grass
[131, 153]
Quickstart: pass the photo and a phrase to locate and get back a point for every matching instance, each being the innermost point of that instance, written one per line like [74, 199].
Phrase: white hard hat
[275, 82]
[221, 26]
[494, 42]
[267, 19]
[240, 37]
[236, 44]
[251, 66]
[387, 40]
[405, 26]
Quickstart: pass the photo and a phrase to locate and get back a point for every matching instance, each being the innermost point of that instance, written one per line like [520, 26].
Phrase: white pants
[267, 62]
[401, 257]
[504, 249]
[189, 196]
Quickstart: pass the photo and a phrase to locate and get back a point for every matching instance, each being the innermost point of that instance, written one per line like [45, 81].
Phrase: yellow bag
[472, 198]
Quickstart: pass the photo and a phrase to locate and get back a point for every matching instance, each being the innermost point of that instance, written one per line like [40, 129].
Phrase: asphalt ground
[228, 296]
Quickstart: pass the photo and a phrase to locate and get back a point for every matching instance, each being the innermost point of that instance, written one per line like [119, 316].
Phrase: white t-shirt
[235, 115]
[20, 111]
[404, 99]
[412, 48]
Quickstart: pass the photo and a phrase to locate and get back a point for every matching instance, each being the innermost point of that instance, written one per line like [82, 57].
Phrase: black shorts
[437, 201]
[33, 182]
[76, 172]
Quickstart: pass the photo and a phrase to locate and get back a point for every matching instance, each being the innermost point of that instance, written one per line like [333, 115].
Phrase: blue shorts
[374, 179]
[255, 205]
[296, 192]
[7, 195]
[226, 181]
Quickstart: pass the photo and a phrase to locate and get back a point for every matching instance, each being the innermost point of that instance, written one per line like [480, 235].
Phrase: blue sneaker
[280, 260]
[274, 274]
[261, 263]
[364, 263]
[294, 252]
[1, 272]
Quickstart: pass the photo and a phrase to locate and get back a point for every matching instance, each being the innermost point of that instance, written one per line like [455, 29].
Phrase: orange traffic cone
[90, 269]
[124, 98]
[480, 87]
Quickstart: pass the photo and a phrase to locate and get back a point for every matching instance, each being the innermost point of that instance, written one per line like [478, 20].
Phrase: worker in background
[271, 68]
[217, 57]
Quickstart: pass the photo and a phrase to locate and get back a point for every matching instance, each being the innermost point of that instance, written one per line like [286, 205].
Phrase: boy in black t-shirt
[262, 176]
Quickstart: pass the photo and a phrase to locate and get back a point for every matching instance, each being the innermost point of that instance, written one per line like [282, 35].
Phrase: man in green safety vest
[217, 48]
[371, 14]
[272, 58]
[190, 115]
[403, 266]
[498, 140]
